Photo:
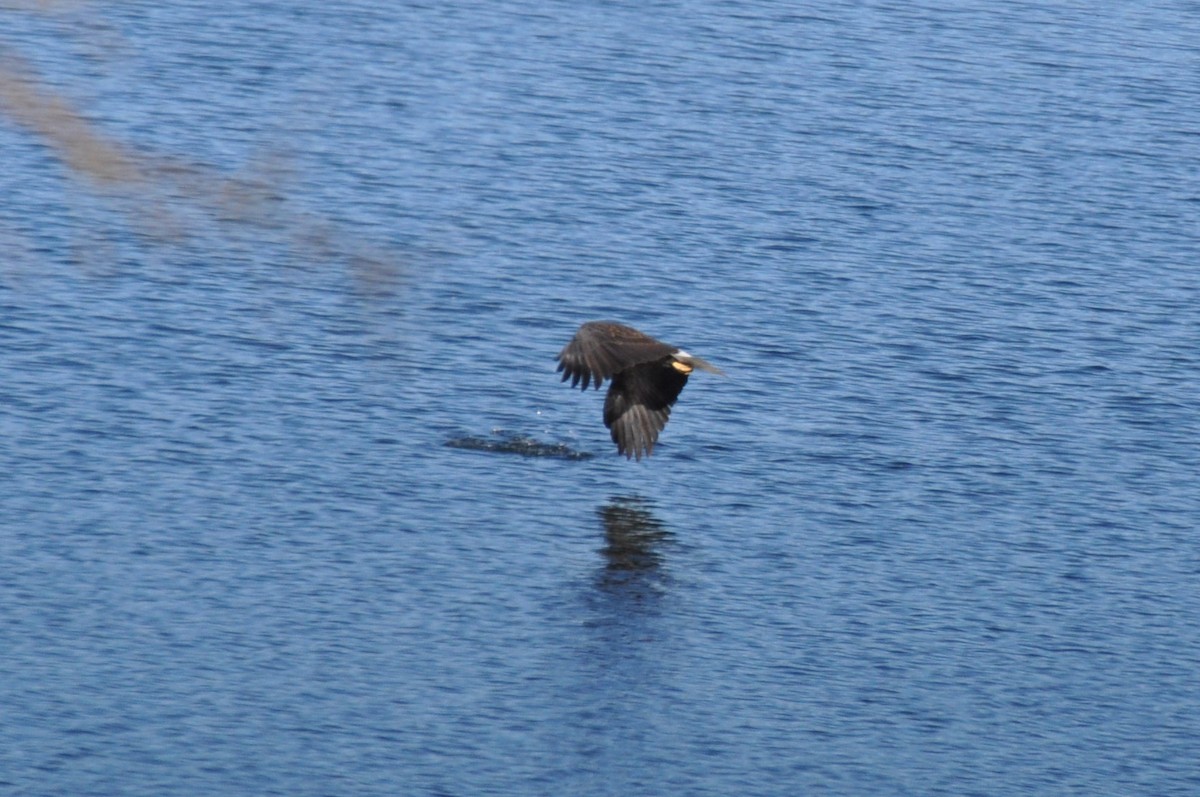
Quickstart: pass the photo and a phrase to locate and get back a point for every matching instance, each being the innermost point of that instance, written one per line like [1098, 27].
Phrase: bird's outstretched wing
[638, 405]
[601, 349]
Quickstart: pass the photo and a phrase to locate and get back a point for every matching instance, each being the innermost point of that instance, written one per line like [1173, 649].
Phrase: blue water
[935, 533]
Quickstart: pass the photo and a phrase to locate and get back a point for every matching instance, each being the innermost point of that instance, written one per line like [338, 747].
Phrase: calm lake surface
[935, 532]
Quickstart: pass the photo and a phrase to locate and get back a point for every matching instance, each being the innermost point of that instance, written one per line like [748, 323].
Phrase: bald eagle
[647, 376]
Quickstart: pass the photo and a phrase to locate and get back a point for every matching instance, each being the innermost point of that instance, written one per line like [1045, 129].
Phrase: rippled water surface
[292, 500]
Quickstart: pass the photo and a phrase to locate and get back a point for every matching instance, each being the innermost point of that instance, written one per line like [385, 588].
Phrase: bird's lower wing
[638, 406]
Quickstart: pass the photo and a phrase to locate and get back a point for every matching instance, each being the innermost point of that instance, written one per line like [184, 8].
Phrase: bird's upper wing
[603, 348]
[638, 405]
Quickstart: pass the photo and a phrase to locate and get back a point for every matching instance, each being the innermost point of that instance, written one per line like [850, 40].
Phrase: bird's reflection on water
[633, 552]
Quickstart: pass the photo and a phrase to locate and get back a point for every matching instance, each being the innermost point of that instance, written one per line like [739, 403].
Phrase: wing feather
[602, 349]
[638, 405]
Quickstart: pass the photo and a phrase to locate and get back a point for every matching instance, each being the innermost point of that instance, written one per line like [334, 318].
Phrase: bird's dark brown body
[647, 376]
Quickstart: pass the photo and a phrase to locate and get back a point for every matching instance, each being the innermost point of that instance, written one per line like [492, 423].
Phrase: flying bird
[647, 376]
